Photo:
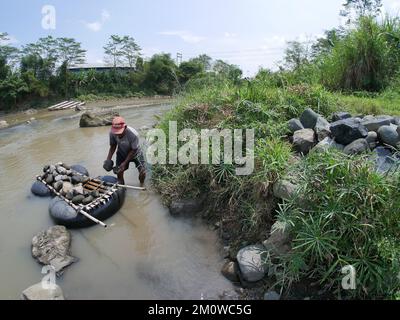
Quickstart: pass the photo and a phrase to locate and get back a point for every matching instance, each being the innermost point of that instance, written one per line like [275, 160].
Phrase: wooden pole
[79, 210]
[131, 187]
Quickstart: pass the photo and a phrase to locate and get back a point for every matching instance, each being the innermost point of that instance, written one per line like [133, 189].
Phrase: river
[144, 254]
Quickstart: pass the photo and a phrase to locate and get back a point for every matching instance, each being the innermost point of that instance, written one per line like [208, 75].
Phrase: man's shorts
[138, 160]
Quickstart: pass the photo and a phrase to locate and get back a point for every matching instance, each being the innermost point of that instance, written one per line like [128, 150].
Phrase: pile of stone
[97, 118]
[69, 183]
[352, 135]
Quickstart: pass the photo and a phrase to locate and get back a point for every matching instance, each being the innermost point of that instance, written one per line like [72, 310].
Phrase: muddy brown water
[145, 253]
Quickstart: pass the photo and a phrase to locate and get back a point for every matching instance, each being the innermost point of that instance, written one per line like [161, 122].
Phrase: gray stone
[41, 292]
[388, 135]
[272, 296]
[78, 190]
[75, 179]
[58, 178]
[279, 241]
[322, 128]
[97, 119]
[230, 271]
[78, 199]
[376, 122]
[284, 190]
[295, 125]
[69, 195]
[67, 187]
[252, 263]
[52, 247]
[357, 147]
[3, 124]
[186, 207]
[304, 140]
[309, 118]
[372, 137]
[95, 194]
[49, 179]
[396, 121]
[58, 185]
[385, 161]
[327, 144]
[340, 116]
[348, 130]
[87, 200]
[61, 170]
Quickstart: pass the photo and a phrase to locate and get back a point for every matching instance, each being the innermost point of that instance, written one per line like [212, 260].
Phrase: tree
[69, 51]
[229, 71]
[354, 9]
[8, 54]
[161, 74]
[204, 60]
[130, 51]
[325, 44]
[296, 55]
[113, 51]
[189, 69]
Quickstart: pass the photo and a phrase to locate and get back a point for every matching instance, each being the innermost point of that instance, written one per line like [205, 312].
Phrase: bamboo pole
[79, 210]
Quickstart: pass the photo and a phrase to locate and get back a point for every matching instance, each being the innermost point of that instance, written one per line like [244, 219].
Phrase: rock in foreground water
[52, 247]
[39, 292]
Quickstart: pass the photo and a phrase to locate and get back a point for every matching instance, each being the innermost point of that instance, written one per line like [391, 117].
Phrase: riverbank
[343, 193]
[28, 116]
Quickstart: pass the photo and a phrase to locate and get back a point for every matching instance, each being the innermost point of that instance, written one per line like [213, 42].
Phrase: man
[127, 141]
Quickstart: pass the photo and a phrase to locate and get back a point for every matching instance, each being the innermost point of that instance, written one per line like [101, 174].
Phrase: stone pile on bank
[350, 134]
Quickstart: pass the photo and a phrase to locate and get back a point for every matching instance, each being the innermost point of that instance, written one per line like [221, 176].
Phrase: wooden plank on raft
[57, 105]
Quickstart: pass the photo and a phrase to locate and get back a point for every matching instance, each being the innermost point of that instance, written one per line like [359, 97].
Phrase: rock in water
[97, 119]
[309, 118]
[348, 130]
[295, 125]
[230, 271]
[251, 263]
[340, 116]
[304, 140]
[389, 135]
[322, 128]
[374, 123]
[67, 187]
[3, 124]
[52, 247]
[357, 147]
[39, 292]
[186, 207]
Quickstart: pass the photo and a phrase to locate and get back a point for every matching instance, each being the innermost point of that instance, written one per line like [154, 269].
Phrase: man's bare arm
[111, 151]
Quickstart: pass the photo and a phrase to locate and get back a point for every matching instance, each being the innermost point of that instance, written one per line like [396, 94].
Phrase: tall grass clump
[348, 215]
[366, 58]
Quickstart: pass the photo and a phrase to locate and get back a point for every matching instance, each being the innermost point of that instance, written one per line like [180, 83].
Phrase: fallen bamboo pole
[79, 210]
[131, 187]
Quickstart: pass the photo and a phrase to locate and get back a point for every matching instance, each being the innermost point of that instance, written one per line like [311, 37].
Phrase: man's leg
[141, 166]
[120, 175]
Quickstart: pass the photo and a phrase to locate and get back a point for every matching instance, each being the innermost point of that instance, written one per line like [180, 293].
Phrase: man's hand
[122, 168]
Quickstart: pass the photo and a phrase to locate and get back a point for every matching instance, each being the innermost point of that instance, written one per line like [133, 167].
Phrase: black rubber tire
[39, 189]
[65, 215]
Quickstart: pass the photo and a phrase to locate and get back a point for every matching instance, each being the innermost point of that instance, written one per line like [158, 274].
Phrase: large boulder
[3, 124]
[372, 139]
[295, 125]
[337, 116]
[384, 160]
[252, 263]
[388, 135]
[309, 118]
[327, 144]
[322, 128]
[186, 207]
[97, 119]
[374, 123]
[304, 140]
[357, 147]
[348, 130]
[52, 247]
[40, 292]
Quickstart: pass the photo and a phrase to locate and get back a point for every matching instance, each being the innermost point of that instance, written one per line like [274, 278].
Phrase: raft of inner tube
[64, 214]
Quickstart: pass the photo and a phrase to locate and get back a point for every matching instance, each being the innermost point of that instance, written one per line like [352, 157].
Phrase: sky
[249, 33]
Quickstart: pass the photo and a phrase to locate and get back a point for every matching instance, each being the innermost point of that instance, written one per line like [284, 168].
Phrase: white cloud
[186, 36]
[98, 25]
[11, 40]
[230, 35]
